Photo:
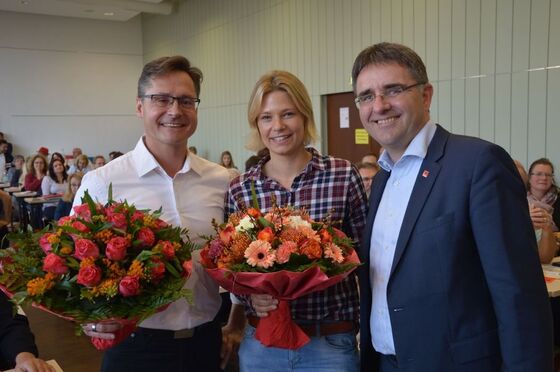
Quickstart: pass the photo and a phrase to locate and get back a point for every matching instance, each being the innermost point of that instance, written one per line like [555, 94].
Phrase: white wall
[486, 58]
[68, 82]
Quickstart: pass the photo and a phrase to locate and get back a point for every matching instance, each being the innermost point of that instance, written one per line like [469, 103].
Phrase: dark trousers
[147, 350]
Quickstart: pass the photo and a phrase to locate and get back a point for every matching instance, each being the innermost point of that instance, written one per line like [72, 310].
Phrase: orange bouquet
[282, 253]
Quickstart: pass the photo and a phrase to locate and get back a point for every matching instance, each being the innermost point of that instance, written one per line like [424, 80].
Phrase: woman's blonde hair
[82, 157]
[286, 82]
[69, 195]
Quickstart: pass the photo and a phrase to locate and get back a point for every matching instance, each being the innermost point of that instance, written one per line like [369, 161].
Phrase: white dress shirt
[386, 229]
[191, 200]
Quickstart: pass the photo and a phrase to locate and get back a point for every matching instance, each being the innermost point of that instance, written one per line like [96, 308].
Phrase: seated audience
[59, 156]
[65, 204]
[115, 154]
[55, 182]
[81, 165]
[542, 190]
[369, 158]
[367, 171]
[17, 343]
[226, 161]
[193, 150]
[5, 161]
[43, 151]
[36, 170]
[10, 147]
[522, 172]
[99, 161]
[15, 173]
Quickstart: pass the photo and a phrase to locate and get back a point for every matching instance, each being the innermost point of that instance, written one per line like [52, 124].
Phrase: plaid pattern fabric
[327, 186]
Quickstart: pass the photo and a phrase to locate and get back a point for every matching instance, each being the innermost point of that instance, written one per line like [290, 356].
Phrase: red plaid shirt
[326, 186]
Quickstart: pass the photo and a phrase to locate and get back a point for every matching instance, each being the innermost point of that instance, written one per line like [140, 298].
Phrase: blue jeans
[336, 353]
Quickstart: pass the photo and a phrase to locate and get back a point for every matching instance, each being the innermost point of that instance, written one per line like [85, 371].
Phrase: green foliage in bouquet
[110, 261]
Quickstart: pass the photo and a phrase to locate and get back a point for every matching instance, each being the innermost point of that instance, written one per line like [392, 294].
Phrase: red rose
[157, 269]
[54, 264]
[85, 248]
[89, 276]
[80, 226]
[129, 286]
[66, 219]
[167, 249]
[44, 242]
[83, 211]
[226, 235]
[118, 220]
[266, 234]
[187, 268]
[160, 224]
[205, 259]
[116, 248]
[147, 236]
[137, 216]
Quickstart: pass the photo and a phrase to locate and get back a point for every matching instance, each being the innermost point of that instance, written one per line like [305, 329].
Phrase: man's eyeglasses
[166, 101]
[389, 93]
[542, 174]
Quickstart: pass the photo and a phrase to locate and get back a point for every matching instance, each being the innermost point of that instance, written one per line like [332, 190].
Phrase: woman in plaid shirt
[281, 119]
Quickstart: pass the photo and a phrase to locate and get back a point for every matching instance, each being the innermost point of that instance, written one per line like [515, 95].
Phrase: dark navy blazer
[466, 290]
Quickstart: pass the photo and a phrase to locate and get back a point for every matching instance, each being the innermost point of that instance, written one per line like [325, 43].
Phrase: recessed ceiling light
[109, 14]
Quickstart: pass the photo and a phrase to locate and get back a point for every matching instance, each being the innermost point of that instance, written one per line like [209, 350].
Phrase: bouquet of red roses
[106, 262]
[282, 253]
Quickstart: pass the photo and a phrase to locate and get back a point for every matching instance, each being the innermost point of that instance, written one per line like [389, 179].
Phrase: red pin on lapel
[425, 174]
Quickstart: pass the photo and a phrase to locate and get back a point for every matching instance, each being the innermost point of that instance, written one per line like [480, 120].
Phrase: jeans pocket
[342, 341]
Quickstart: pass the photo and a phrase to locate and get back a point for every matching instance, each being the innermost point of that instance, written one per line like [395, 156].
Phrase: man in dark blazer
[451, 279]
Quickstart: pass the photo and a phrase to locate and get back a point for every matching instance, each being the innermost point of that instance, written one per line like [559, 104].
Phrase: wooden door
[341, 137]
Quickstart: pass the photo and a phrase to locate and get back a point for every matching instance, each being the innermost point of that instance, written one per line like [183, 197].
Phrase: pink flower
[54, 264]
[259, 253]
[116, 248]
[333, 252]
[80, 226]
[89, 276]
[83, 211]
[266, 234]
[167, 249]
[285, 250]
[215, 248]
[45, 243]
[187, 268]
[118, 220]
[160, 224]
[146, 236]
[85, 248]
[129, 286]
[66, 220]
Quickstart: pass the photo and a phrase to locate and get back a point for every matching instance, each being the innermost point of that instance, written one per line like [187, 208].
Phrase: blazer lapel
[425, 180]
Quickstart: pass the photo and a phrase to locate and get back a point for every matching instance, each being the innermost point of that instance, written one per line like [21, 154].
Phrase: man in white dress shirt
[160, 172]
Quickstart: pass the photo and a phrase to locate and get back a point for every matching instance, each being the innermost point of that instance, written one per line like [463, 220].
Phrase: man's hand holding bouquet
[282, 253]
[106, 263]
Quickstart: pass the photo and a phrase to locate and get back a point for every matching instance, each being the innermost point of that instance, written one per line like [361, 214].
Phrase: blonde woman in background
[65, 204]
[80, 165]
